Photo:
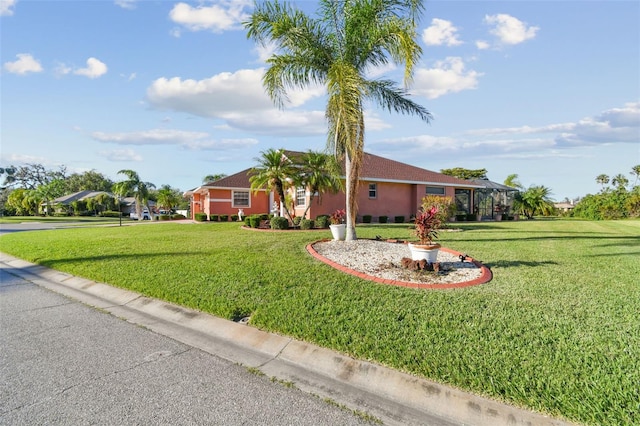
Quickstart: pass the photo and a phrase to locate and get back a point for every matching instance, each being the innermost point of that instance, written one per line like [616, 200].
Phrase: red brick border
[485, 277]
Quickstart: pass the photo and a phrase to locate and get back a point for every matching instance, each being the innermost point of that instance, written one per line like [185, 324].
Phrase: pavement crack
[276, 356]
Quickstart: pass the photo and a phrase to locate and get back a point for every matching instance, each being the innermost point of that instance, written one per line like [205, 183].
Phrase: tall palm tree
[318, 173]
[602, 180]
[135, 187]
[336, 50]
[274, 172]
[620, 181]
[635, 171]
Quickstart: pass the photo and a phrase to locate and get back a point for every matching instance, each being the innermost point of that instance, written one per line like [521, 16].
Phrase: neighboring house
[387, 188]
[66, 201]
[564, 206]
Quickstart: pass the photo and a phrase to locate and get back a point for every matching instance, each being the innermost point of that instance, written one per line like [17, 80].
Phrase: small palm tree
[168, 198]
[620, 181]
[602, 180]
[535, 200]
[318, 173]
[213, 178]
[337, 49]
[135, 187]
[274, 172]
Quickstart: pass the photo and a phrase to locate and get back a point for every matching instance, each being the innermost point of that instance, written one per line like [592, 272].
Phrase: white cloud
[510, 30]
[239, 99]
[121, 155]
[6, 7]
[184, 139]
[448, 76]
[25, 64]
[126, 4]
[482, 45]
[219, 17]
[95, 68]
[441, 32]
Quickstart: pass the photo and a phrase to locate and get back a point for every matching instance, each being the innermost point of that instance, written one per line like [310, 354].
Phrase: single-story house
[128, 204]
[387, 188]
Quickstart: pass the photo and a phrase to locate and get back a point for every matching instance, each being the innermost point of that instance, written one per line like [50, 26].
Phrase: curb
[394, 397]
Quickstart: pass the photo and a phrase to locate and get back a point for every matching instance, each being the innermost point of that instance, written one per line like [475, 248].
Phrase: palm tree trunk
[350, 193]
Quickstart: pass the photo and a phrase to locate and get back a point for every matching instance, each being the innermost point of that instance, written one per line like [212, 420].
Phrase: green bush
[296, 220]
[106, 213]
[398, 219]
[322, 221]
[224, 218]
[279, 223]
[177, 216]
[61, 214]
[306, 224]
[461, 217]
[383, 219]
[163, 217]
[234, 218]
[247, 221]
[254, 221]
[214, 218]
[366, 218]
[471, 217]
[200, 217]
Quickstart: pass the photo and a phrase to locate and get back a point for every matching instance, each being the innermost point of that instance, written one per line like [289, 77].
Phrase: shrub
[461, 217]
[247, 221]
[279, 223]
[383, 219]
[265, 216]
[178, 216]
[106, 213]
[296, 220]
[200, 217]
[254, 221]
[471, 217]
[163, 217]
[306, 224]
[398, 219]
[234, 218]
[61, 214]
[224, 218]
[322, 221]
[214, 218]
[446, 206]
[366, 218]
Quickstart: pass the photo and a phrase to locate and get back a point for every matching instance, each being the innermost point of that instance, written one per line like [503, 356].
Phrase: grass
[55, 219]
[557, 330]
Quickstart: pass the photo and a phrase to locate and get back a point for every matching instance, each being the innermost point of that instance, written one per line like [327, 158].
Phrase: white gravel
[382, 259]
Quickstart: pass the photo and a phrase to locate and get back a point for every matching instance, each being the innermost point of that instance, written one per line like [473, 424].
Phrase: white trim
[235, 206]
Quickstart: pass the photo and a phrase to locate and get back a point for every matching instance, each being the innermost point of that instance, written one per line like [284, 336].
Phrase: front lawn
[557, 329]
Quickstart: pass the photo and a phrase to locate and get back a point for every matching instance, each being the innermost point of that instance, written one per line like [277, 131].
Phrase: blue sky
[549, 90]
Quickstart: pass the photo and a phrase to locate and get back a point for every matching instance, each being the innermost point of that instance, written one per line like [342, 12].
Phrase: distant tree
[462, 173]
[89, 180]
[134, 187]
[620, 181]
[512, 181]
[318, 173]
[602, 180]
[9, 175]
[536, 200]
[213, 178]
[15, 201]
[50, 191]
[273, 172]
[168, 198]
[31, 176]
[635, 171]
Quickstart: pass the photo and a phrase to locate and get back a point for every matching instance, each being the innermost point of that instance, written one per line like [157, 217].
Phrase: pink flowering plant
[427, 223]
[337, 217]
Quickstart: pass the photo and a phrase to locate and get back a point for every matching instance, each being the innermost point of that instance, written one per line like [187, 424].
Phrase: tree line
[30, 190]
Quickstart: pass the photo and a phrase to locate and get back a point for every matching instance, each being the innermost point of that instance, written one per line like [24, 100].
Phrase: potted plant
[427, 224]
[338, 228]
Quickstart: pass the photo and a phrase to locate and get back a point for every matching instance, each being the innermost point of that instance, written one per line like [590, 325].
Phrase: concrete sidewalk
[394, 397]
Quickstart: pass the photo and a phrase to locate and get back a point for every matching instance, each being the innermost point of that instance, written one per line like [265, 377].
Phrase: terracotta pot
[428, 252]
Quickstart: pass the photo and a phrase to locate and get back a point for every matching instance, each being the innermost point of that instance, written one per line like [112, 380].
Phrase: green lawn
[54, 219]
[557, 329]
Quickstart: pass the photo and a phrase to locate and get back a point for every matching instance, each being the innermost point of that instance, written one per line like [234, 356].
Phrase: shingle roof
[374, 168]
[81, 195]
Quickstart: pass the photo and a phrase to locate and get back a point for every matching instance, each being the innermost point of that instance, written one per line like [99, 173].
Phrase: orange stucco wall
[220, 201]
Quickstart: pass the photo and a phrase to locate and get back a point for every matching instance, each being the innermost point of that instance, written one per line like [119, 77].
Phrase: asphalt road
[62, 362]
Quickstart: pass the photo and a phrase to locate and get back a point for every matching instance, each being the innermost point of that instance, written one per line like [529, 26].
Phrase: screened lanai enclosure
[492, 200]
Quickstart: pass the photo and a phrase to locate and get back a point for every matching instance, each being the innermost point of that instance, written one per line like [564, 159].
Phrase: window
[301, 196]
[435, 190]
[241, 199]
[373, 190]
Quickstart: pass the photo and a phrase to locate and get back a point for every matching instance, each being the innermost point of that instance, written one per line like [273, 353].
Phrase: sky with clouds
[548, 90]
